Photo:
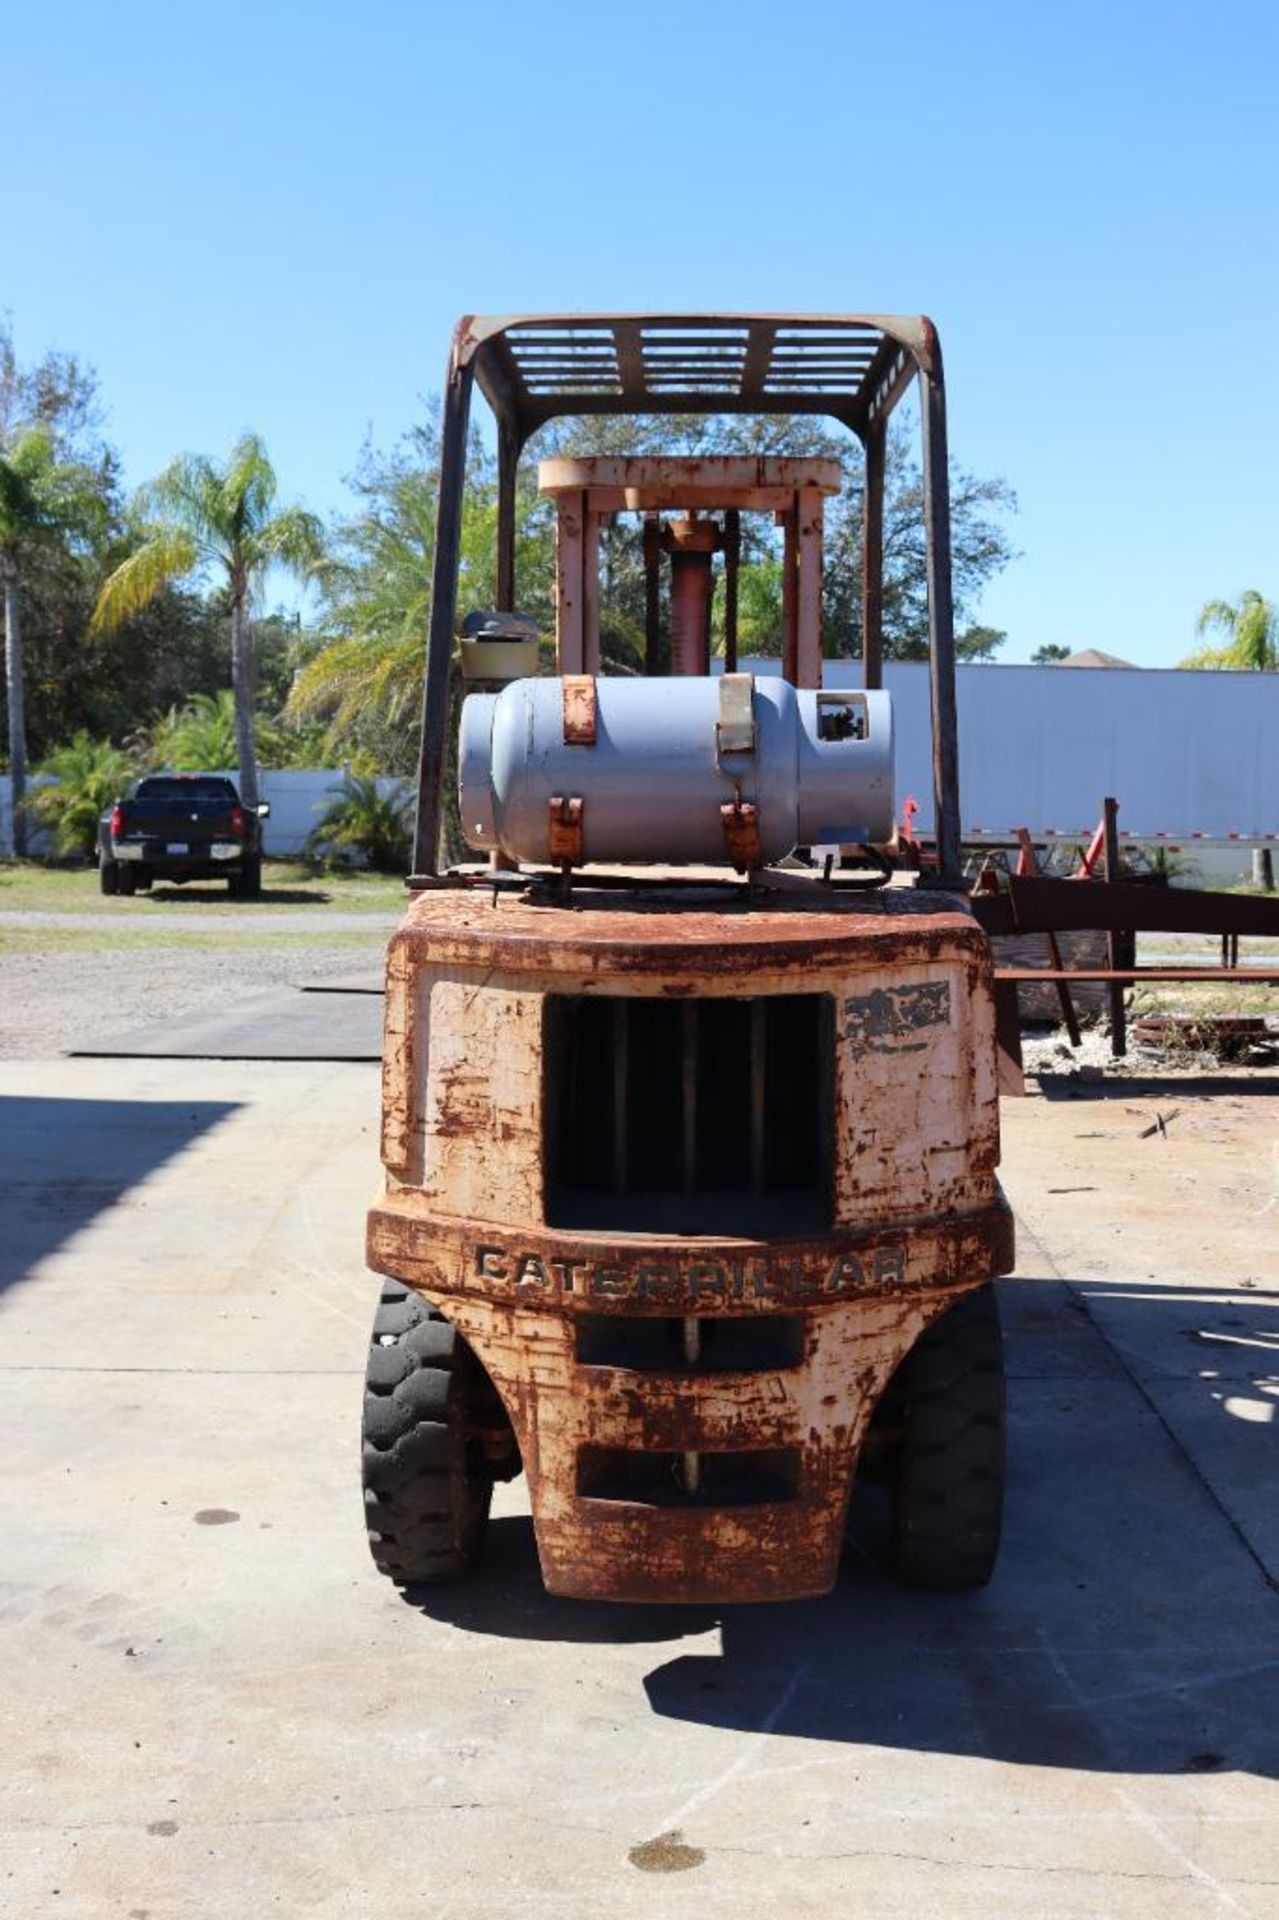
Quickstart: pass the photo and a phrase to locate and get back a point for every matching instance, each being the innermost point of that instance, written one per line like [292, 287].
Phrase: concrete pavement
[212, 1705]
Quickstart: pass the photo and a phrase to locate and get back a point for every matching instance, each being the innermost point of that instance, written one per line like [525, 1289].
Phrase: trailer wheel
[428, 1480]
[947, 1478]
[108, 874]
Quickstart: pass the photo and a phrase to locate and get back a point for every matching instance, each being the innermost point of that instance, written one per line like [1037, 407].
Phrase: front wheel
[947, 1476]
[435, 1438]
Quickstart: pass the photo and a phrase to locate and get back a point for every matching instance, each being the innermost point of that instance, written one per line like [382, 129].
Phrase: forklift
[689, 1107]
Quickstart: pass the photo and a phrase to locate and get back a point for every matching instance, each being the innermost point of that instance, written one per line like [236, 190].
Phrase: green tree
[1049, 654]
[1252, 622]
[45, 502]
[90, 774]
[365, 678]
[200, 518]
[201, 737]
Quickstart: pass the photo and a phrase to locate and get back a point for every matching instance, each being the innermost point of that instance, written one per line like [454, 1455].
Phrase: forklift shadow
[506, 1597]
[1130, 1625]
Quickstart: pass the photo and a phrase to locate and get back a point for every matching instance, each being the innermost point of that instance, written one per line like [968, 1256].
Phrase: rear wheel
[127, 879]
[436, 1437]
[946, 1475]
[247, 883]
[108, 874]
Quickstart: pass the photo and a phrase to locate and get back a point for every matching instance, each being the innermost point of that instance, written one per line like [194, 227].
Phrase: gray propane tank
[667, 755]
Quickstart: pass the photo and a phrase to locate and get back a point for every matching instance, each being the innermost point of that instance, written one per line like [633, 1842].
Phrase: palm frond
[247, 487]
[292, 539]
[166, 555]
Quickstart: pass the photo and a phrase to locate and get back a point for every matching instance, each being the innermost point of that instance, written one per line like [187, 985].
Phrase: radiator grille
[709, 1116]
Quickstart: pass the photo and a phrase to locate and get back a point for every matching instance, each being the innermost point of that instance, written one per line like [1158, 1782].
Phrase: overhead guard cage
[854, 368]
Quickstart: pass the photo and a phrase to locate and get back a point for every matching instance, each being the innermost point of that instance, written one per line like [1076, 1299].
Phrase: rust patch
[579, 709]
[564, 829]
[741, 835]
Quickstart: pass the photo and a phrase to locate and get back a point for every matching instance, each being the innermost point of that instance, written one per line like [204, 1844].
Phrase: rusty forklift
[690, 1124]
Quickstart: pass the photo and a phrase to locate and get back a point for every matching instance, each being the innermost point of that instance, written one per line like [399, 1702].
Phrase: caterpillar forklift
[689, 1122]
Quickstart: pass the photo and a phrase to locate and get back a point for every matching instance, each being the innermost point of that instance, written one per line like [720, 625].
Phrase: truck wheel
[127, 880]
[247, 883]
[427, 1484]
[948, 1476]
[108, 874]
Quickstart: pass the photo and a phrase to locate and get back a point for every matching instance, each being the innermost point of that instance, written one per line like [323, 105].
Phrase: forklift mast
[852, 368]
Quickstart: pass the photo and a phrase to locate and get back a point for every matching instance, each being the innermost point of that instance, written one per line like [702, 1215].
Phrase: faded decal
[499, 1272]
[891, 1019]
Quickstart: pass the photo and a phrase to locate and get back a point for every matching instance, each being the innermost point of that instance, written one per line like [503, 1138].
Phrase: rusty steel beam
[876, 445]
[1040, 905]
[508, 460]
[941, 627]
[433, 751]
[1135, 976]
[1110, 868]
[732, 560]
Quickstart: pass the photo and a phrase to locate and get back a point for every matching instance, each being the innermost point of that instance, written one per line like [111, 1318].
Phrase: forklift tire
[108, 874]
[948, 1476]
[427, 1486]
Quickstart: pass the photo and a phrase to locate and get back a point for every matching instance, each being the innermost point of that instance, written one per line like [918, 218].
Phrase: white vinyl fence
[297, 798]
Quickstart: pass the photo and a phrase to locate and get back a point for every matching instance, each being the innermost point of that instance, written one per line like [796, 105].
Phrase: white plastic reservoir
[667, 755]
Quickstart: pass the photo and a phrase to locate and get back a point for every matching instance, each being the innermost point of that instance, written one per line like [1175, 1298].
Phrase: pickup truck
[180, 827]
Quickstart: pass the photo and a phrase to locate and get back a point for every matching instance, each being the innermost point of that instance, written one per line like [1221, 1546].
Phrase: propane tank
[661, 759]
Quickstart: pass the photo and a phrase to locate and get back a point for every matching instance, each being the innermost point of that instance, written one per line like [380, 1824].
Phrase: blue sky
[270, 216]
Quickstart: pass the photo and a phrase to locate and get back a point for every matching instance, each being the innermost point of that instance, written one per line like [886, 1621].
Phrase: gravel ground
[1047, 1050]
[56, 1001]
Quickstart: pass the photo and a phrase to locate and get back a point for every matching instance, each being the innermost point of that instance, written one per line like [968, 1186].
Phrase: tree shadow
[1129, 1626]
[66, 1161]
[215, 895]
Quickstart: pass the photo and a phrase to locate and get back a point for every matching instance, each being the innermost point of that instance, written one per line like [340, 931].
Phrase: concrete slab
[213, 1706]
[335, 1024]
[1168, 1235]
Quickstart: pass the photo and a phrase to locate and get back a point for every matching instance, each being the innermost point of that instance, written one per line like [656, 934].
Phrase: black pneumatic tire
[247, 883]
[948, 1482]
[427, 1487]
[126, 878]
[108, 874]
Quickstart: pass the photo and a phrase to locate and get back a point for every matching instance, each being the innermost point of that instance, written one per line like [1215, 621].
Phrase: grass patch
[29, 886]
[112, 937]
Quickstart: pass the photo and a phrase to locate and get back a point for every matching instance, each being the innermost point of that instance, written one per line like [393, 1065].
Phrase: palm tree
[40, 498]
[1253, 626]
[200, 517]
[90, 774]
[360, 819]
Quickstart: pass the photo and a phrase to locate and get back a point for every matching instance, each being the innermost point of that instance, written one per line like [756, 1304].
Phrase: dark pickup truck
[181, 826]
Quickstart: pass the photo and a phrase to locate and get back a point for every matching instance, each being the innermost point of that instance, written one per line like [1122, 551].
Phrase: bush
[363, 823]
[90, 775]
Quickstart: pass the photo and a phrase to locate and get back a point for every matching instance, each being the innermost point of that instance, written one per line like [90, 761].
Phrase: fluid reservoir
[654, 762]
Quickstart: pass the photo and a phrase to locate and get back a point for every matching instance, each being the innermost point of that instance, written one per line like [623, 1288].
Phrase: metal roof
[855, 367]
